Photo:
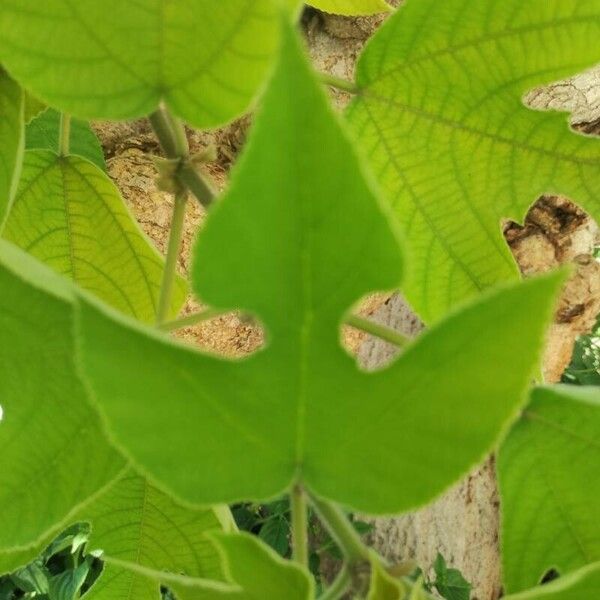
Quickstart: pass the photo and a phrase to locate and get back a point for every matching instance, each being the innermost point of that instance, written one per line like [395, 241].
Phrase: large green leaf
[441, 118]
[304, 237]
[53, 455]
[11, 141]
[68, 214]
[548, 469]
[351, 7]
[583, 584]
[117, 60]
[43, 133]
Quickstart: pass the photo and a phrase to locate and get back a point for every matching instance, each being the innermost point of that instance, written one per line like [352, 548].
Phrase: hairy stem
[342, 531]
[171, 135]
[385, 333]
[338, 83]
[64, 134]
[339, 586]
[170, 272]
[299, 525]
[194, 319]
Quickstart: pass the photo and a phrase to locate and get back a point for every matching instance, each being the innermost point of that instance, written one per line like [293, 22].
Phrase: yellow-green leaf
[68, 214]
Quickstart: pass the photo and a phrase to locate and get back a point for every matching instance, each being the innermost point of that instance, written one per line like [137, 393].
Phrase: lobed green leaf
[548, 470]
[441, 117]
[306, 237]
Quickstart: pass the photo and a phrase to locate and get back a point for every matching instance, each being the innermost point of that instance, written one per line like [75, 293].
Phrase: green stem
[299, 525]
[171, 135]
[170, 272]
[194, 319]
[385, 333]
[341, 530]
[64, 134]
[339, 586]
[338, 83]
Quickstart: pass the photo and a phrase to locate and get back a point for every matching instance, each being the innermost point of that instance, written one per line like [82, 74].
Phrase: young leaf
[11, 141]
[383, 586]
[441, 117]
[351, 7]
[450, 583]
[111, 59]
[68, 214]
[43, 132]
[306, 237]
[53, 455]
[548, 468]
[583, 584]
[67, 585]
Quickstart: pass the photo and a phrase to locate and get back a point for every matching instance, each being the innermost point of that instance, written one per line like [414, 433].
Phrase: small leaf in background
[548, 470]
[68, 584]
[69, 214]
[296, 410]
[450, 582]
[11, 141]
[584, 368]
[583, 584]
[441, 117]
[43, 133]
[275, 532]
[351, 7]
[32, 578]
[53, 448]
[125, 72]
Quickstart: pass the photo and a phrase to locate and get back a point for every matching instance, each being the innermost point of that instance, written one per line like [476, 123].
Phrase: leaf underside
[548, 470]
[441, 119]
[109, 59]
[68, 214]
[301, 410]
[54, 455]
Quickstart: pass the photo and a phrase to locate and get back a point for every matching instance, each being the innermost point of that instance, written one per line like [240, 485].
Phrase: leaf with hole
[548, 470]
[109, 59]
[301, 410]
[68, 214]
[583, 584]
[440, 115]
